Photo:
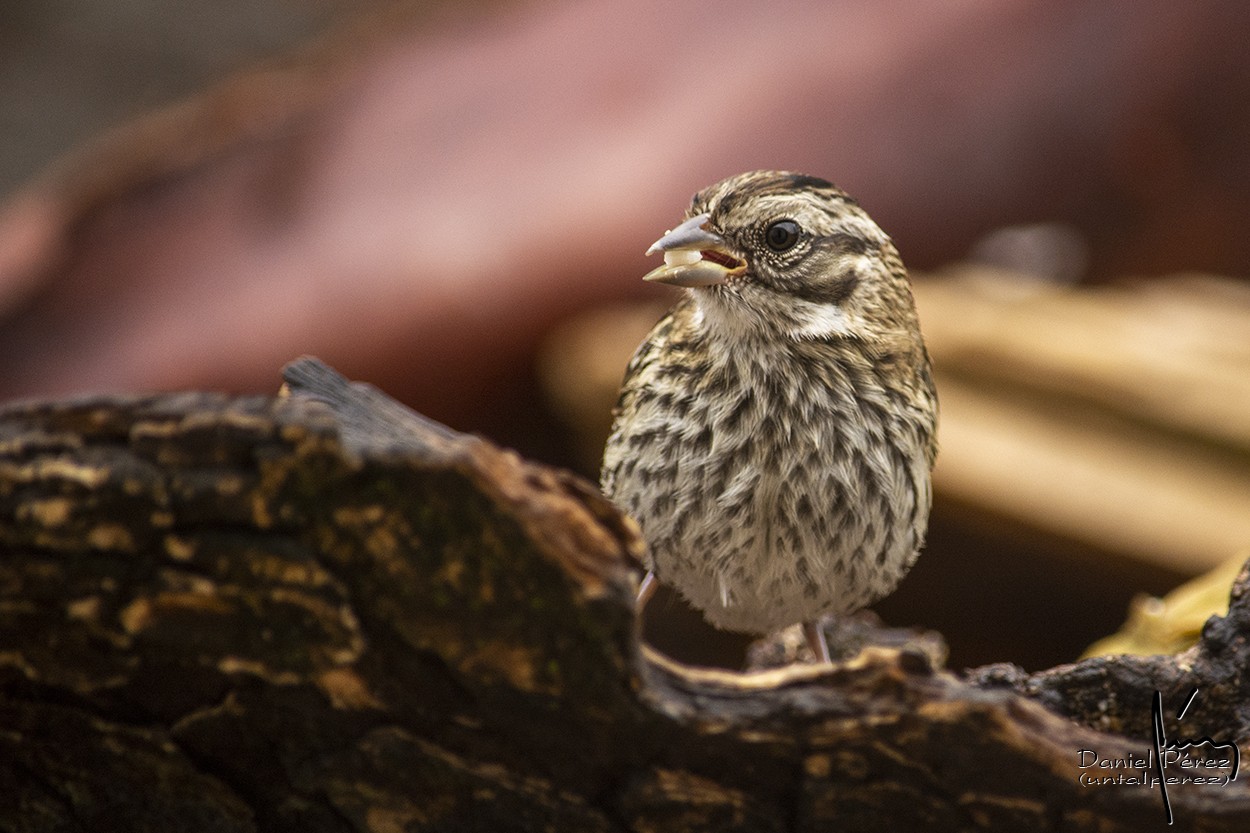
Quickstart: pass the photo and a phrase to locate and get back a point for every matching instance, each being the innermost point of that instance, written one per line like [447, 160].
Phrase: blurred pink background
[417, 197]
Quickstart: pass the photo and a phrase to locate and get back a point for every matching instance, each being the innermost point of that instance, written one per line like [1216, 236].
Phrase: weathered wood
[322, 612]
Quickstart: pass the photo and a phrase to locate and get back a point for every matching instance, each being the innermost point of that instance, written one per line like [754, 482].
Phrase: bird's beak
[694, 256]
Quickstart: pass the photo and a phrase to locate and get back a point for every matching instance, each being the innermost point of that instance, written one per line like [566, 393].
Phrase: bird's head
[790, 255]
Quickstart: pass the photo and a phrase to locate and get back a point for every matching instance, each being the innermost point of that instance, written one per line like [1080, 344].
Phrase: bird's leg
[646, 590]
[815, 636]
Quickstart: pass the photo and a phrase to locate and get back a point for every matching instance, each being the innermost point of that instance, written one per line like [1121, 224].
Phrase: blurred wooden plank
[1119, 416]
[1174, 352]
[1080, 474]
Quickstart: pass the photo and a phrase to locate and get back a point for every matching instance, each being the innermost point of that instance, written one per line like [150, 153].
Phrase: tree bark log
[324, 612]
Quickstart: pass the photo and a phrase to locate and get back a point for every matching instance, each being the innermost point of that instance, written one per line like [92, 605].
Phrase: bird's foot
[815, 636]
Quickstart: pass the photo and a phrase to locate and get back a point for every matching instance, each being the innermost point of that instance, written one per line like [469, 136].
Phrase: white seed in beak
[681, 257]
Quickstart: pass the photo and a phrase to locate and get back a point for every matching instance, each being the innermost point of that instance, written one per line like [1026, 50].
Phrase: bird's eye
[782, 235]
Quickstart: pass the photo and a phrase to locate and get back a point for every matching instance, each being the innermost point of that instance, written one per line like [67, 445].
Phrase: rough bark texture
[322, 612]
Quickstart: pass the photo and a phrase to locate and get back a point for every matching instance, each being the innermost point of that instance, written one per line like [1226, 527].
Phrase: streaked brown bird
[776, 430]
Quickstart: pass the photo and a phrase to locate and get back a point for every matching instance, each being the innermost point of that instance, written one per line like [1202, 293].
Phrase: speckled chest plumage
[775, 480]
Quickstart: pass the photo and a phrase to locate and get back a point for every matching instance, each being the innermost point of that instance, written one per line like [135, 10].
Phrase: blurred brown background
[452, 202]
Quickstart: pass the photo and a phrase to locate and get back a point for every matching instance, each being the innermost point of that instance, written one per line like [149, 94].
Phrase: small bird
[776, 430]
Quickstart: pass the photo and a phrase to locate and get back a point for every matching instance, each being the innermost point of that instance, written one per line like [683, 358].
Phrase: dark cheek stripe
[835, 292]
